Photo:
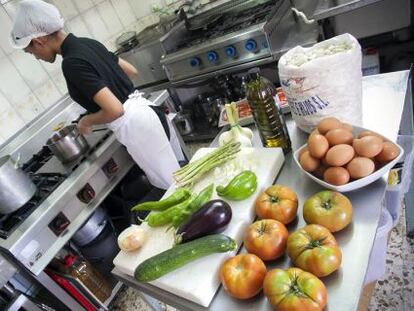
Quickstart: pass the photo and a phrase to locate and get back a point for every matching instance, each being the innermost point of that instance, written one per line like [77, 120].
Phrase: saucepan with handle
[68, 144]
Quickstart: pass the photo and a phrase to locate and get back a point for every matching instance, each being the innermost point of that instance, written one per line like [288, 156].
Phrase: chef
[100, 81]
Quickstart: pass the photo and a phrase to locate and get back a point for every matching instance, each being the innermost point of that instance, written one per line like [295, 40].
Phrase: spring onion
[236, 132]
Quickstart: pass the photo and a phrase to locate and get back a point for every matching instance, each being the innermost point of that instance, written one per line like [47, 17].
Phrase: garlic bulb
[132, 238]
[236, 132]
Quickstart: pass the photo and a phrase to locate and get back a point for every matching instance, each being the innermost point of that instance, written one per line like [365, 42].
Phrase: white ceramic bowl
[356, 184]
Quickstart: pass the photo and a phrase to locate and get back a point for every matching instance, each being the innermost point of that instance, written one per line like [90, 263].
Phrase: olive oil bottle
[267, 114]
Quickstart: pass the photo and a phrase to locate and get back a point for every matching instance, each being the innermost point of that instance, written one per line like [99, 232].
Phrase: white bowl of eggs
[343, 158]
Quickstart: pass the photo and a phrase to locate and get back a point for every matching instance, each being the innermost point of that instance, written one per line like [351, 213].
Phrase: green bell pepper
[240, 187]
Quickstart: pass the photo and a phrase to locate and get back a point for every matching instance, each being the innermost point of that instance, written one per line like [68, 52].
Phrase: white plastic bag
[324, 80]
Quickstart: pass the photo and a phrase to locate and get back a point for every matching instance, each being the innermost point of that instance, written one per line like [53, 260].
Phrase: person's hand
[84, 126]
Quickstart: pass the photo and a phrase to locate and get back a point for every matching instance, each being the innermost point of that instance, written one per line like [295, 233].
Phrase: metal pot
[68, 144]
[91, 228]
[16, 188]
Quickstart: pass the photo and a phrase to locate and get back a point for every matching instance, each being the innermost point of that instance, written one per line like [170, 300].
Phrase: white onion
[132, 238]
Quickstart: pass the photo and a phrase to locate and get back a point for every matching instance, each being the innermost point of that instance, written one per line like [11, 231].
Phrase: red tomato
[277, 202]
[294, 290]
[266, 238]
[242, 275]
[328, 208]
[314, 249]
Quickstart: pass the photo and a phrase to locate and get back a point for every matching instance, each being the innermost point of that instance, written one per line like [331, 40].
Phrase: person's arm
[128, 68]
[111, 109]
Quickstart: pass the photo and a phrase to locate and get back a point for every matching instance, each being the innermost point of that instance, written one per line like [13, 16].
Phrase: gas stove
[47, 173]
[67, 194]
[227, 23]
[229, 36]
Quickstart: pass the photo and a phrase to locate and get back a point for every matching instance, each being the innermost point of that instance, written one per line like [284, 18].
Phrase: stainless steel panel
[329, 8]
[217, 72]
[146, 59]
[291, 32]
[178, 65]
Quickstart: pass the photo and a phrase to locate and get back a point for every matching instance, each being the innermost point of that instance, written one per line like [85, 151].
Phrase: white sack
[324, 80]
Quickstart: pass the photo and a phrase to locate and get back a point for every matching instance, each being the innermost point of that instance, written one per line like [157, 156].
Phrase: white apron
[141, 132]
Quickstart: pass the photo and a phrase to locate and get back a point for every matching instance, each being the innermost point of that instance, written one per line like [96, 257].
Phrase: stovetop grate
[228, 23]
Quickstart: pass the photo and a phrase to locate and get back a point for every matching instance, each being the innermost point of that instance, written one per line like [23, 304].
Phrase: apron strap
[135, 94]
[163, 119]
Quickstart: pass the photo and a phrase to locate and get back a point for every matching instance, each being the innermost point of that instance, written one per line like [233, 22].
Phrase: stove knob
[231, 51]
[195, 62]
[86, 194]
[212, 56]
[250, 45]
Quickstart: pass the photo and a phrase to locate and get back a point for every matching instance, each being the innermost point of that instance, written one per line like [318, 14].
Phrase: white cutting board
[198, 281]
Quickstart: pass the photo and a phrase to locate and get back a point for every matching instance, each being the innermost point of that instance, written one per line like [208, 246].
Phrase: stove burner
[46, 183]
[37, 160]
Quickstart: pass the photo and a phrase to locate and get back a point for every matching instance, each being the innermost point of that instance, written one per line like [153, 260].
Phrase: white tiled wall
[29, 86]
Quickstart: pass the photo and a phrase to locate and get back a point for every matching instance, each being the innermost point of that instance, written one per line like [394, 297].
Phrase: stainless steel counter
[356, 241]
[345, 285]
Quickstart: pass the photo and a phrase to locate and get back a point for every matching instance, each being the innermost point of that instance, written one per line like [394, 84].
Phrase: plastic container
[267, 114]
[92, 279]
[376, 263]
[395, 193]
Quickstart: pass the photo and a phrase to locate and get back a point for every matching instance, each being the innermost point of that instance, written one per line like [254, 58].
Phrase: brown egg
[368, 146]
[360, 167]
[308, 162]
[302, 151]
[370, 133]
[318, 145]
[314, 132]
[347, 126]
[339, 136]
[389, 152]
[336, 175]
[328, 124]
[320, 171]
[339, 155]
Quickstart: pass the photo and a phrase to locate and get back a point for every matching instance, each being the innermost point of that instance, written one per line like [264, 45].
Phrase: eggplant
[212, 217]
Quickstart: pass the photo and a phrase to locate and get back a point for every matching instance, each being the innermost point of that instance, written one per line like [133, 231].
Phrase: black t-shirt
[88, 67]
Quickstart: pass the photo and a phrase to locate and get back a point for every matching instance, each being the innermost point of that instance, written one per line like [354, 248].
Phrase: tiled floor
[394, 292]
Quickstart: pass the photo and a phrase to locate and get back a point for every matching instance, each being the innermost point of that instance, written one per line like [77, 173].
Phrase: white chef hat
[34, 19]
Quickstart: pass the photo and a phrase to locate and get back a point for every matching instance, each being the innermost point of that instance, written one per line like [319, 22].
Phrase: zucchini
[178, 256]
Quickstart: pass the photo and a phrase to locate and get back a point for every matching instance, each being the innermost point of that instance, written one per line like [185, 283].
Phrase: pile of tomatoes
[312, 249]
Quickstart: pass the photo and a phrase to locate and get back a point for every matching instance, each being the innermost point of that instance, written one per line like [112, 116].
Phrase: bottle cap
[70, 260]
